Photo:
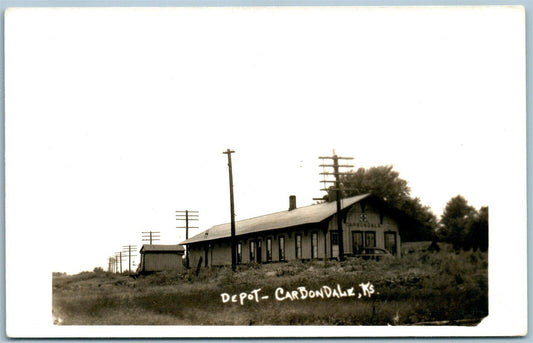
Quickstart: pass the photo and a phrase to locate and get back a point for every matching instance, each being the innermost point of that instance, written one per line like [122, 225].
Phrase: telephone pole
[186, 216]
[118, 256]
[148, 236]
[127, 249]
[232, 209]
[337, 189]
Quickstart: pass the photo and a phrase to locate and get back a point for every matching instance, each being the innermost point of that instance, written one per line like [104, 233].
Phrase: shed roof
[279, 220]
[162, 248]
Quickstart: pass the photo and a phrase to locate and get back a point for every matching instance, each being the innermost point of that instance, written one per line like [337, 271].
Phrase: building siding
[359, 217]
[154, 262]
[372, 221]
[221, 253]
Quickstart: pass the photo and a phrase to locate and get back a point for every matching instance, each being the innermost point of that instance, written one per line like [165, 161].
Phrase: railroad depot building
[304, 233]
[161, 257]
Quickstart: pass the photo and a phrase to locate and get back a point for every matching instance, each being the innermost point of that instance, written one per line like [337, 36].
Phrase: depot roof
[279, 220]
[162, 248]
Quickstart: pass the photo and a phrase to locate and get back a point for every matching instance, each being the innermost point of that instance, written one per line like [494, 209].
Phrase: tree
[381, 181]
[419, 222]
[463, 226]
[454, 221]
[477, 236]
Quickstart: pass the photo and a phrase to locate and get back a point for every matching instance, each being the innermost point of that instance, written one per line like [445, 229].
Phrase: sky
[115, 119]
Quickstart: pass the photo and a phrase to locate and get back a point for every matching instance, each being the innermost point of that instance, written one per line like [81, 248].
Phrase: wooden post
[337, 190]
[199, 266]
[127, 249]
[338, 200]
[187, 216]
[232, 210]
[187, 237]
[325, 244]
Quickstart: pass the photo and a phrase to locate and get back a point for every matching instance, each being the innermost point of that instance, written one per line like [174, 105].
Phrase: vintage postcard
[265, 171]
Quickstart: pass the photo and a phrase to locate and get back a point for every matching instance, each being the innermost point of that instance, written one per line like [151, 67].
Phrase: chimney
[292, 202]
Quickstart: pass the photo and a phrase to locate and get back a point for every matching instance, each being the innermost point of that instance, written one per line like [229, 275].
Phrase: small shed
[161, 257]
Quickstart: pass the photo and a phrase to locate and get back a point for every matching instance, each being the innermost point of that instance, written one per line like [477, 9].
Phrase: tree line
[460, 224]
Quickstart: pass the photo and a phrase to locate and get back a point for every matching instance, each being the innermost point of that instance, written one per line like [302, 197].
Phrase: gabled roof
[304, 215]
[162, 248]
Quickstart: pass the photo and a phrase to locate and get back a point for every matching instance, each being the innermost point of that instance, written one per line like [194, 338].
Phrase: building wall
[360, 217]
[366, 218]
[154, 262]
[219, 252]
[197, 251]
[290, 245]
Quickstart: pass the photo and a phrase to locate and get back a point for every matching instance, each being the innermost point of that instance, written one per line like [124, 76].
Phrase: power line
[111, 264]
[337, 188]
[128, 249]
[119, 259]
[187, 216]
[116, 263]
[150, 236]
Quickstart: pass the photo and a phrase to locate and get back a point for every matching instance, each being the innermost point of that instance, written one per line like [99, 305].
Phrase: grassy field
[425, 288]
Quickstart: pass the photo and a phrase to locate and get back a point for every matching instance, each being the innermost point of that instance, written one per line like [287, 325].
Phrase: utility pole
[127, 249]
[116, 264]
[187, 216]
[337, 189]
[150, 235]
[118, 256]
[232, 209]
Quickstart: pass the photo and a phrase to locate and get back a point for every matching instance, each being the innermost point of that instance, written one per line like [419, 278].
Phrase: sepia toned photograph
[313, 171]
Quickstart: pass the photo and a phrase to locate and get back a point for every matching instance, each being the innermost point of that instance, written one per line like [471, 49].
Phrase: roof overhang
[313, 214]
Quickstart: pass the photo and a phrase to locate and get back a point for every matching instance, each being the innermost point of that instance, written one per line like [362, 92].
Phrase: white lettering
[294, 295]
[300, 293]
[242, 296]
[342, 294]
[319, 293]
[368, 289]
[278, 294]
[303, 293]
[327, 291]
[255, 295]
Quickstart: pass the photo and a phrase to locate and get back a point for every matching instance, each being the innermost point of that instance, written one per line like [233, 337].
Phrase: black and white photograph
[295, 171]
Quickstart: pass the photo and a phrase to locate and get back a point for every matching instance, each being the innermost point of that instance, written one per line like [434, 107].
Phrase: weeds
[419, 287]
